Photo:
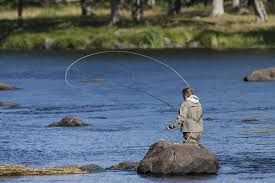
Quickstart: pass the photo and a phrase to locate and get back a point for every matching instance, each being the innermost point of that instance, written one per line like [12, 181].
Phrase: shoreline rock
[167, 158]
[8, 104]
[91, 168]
[4, 87]
[19, 170]
[125, 165]
[68, 122]
[267, 74]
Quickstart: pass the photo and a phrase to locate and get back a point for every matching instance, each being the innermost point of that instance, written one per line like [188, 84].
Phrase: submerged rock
[125, 165]
[209, 119]
[91, 168]
[267, 74]
[249, 119]
[7, 87]
[69, 122]
[166, 158]
[8, 104]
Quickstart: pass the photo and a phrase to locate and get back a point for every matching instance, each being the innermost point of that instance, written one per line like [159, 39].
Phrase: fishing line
[136, 89]
[148, 58]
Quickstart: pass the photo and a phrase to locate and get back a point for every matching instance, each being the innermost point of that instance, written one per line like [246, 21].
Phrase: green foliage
[177, 36]
[103, 40]
[75, 43]
[24, 42]
[153, 37]
[208, 39]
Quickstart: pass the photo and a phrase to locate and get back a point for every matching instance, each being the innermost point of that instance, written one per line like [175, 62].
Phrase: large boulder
[267, 74]
[125, 165]
[167, 158]
[7, 87]
[69, 122]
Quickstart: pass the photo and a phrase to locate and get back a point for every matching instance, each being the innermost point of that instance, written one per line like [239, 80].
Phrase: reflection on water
[125, 122]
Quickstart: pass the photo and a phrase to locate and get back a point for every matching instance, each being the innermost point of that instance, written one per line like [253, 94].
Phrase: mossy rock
[69, 122]
[91, 168]
[18, 170]
[125, 165]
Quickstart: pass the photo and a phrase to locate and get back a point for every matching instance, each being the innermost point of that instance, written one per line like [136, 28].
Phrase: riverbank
[62, 27]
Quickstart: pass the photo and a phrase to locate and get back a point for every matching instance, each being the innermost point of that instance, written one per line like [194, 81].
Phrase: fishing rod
[100, 80]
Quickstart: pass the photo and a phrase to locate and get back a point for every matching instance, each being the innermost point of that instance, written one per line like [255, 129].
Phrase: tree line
[174, 7]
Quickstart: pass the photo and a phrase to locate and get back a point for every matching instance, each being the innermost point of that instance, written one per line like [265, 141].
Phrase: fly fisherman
[189, 118]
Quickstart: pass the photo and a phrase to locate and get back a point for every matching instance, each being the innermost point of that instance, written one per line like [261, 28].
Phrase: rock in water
[267, 74]
[69, 122]
[8, 104]
[249, 120]
[91, 168]
[125, 165]
[166, 158]
[7, 87]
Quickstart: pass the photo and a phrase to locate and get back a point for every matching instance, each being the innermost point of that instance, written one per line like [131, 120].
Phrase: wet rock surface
[126, 165]
[4, 86]
[167, 158]
[249, 119]
[267, 74]
[8, 104]
[91, 168]
[69, 122]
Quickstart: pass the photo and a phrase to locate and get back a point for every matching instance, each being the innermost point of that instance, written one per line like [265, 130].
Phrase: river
[124, 122]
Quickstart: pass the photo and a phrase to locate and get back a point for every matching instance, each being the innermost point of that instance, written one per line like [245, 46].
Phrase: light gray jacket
[190, 116]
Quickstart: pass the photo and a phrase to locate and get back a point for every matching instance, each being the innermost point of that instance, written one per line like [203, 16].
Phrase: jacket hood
[194, 99]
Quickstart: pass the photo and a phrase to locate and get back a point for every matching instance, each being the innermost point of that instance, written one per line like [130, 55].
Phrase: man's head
[187, 92]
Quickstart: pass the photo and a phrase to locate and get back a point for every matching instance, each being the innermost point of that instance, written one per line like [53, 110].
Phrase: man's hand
[168, 128]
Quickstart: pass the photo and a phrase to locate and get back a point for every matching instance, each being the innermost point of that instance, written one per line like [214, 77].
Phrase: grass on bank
[62, 27]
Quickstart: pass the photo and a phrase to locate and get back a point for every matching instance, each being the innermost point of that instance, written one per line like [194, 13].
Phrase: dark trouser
[191, 137]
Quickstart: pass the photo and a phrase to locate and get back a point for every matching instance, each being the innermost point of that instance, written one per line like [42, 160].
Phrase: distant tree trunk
[218, 8]
[250, 3]
[271, 2]
[45, 2]
[236, 4]
[174, 7]
[115, 11]
[205, 2]
[86, 7]
[260, 11]
[151, 3]
[20, 12]
[137, 10]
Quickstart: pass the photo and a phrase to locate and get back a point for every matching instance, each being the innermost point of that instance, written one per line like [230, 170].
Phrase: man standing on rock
[189, 118]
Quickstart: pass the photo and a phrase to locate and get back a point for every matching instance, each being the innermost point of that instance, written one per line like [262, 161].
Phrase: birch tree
[260, 11]
[85, 7]
[236, 4]
[174, 7]
[137, 10]
[218, 8]
[115, 11]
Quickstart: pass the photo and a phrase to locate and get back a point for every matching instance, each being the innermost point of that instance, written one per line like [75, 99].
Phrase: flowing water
[124, 122]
